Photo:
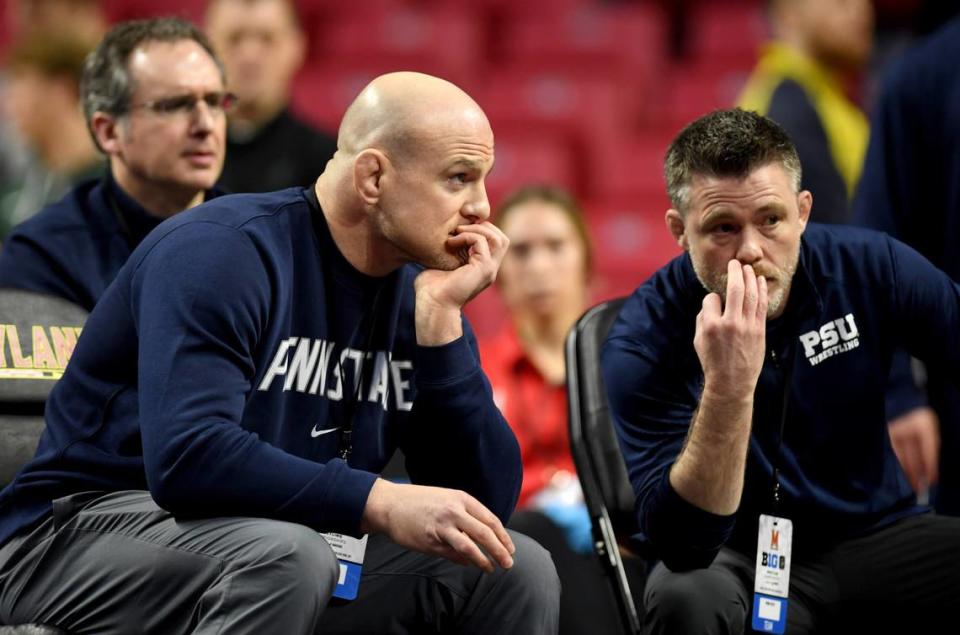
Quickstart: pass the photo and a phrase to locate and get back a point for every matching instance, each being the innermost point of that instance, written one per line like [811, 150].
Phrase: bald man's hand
[440, 522]
[440, 295]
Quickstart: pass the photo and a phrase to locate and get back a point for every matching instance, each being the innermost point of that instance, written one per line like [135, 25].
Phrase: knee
[298, 557]
[693, 602]
[533, 575]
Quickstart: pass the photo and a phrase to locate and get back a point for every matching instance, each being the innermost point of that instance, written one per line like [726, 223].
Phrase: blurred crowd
[583, 97]
[582, 94]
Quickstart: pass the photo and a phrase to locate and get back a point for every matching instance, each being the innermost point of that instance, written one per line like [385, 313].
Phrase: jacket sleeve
[653, 404]
[456, 436]
[926, 309]
[903, 394]
[881, 203]
[200, 299]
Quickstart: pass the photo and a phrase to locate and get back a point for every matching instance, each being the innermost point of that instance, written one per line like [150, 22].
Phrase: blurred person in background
[799, 82]
[263, 45]
[544, 282]
[80, 21]
[154, 99]
[42, 101]
[84, 19]
[911, 190]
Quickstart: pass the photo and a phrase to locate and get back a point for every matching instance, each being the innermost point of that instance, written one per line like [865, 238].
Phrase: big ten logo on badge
[43, 356]
[774, 561]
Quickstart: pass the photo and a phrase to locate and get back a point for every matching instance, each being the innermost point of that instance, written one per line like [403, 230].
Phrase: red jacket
[535, 410]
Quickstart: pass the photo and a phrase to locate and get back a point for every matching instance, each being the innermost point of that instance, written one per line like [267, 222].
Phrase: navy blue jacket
[857, 296]
[74, 248]
[220, 367]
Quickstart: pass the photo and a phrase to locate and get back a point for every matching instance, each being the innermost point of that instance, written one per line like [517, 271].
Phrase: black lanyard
[371, 314]
[351, 408]
[778, 457]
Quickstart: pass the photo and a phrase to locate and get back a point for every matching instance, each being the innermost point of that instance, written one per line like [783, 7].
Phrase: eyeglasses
[217, 102]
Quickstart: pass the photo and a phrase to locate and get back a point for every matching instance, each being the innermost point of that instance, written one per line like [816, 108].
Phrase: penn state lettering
[834, 337]
[313, 366]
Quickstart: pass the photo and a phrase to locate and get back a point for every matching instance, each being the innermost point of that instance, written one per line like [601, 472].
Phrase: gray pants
[117, 563]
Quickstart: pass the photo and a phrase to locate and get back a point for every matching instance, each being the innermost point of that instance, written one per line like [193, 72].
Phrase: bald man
[240, 386]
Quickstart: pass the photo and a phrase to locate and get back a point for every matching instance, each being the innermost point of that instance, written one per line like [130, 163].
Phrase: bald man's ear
[367, 170]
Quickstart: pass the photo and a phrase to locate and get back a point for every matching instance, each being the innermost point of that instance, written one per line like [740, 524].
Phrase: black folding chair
[37, 336]
[596, 453]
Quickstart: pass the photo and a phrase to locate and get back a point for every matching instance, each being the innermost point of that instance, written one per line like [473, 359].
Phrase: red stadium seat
[446, 43]
[586, 111]
[692, 91]
[321, 94]
[5, 34]
[122, 10]
[628, 40]
[728, 34]
[629, 165]
[507, 9]
[632, 241]
[524, 158]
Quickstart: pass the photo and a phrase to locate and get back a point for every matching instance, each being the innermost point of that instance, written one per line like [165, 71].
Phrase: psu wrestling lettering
[834, 337]
[313, 366]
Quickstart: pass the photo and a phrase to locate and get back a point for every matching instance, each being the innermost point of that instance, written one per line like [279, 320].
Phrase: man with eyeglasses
[154, 100]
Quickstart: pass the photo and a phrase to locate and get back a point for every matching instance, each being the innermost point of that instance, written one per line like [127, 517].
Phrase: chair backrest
[596, 452]
[37, 337]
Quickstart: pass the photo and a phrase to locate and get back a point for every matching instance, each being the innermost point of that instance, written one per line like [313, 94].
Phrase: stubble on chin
[716, 282]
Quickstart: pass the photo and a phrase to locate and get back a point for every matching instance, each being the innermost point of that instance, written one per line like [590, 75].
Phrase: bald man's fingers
[474, 241]
[496, 239]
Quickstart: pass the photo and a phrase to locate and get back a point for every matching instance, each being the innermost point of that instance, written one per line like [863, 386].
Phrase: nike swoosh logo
[319, 433]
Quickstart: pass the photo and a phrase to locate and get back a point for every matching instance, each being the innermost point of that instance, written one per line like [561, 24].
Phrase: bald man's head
[398, 112]
[412, 156]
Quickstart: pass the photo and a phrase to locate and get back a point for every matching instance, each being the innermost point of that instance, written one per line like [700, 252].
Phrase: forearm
[457, 438]
[708, 473]
[218, 469]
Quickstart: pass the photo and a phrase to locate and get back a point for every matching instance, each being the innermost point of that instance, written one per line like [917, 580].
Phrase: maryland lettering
[312, 366]
[50, 349]
[833, 338]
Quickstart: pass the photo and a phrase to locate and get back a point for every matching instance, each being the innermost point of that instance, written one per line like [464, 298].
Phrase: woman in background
[544, 283]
